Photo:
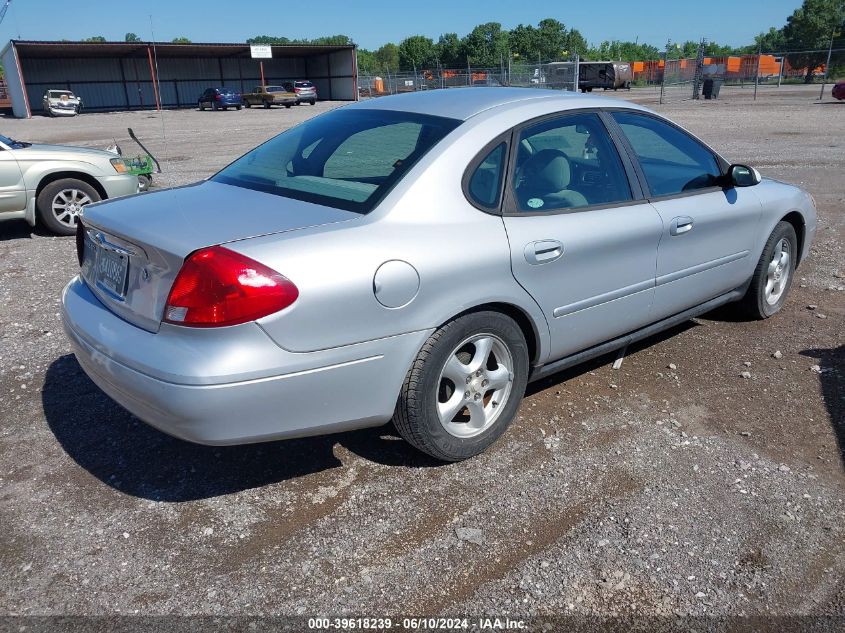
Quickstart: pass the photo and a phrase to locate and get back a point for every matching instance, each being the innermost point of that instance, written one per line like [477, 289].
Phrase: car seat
[546, 175]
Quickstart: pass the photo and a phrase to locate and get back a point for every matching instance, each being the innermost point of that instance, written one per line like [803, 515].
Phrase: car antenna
[158, 86]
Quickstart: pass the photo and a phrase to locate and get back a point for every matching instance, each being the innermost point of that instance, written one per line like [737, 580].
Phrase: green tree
[486, 45]
[96, 38]
[449, 51]
[416, 52]
[366, 61]
[387, 58]
[810, 28]
[552, 39]
[180, 40]
[267, 39]
[576, 43]
[524, 43]
[131, 37]
[331, 40]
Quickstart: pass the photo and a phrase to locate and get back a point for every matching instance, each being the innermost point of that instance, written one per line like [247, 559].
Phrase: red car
[838, 91]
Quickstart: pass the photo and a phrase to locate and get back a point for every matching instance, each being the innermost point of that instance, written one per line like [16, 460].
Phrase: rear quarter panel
[460, 254]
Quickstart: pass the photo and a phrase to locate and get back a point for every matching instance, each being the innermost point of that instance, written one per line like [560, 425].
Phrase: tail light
[218, 287]
[217, 97]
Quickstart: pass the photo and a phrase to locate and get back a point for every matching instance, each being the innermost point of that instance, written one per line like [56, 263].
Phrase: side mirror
[743, 176]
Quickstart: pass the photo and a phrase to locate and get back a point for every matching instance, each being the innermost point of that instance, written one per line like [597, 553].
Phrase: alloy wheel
[474, 385]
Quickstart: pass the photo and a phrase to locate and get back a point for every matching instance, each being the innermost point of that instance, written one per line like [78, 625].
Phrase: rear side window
[673, 162]
[347, 158]
[486, 181]
[568, 162]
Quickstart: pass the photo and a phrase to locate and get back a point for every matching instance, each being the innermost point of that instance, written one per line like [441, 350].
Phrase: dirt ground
[671, 487]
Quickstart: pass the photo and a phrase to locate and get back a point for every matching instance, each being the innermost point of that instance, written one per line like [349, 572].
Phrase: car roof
[463, 103]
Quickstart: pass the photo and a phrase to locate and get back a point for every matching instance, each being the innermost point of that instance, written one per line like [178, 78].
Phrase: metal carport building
[143, 75]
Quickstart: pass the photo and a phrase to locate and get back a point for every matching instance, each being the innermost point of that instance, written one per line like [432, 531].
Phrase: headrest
[547, 171]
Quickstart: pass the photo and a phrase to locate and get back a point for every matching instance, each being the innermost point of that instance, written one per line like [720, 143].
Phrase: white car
[61, 103]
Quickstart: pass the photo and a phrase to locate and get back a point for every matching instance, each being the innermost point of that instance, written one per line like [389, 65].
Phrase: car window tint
[347, 158]
[566, 163]
[485, 182]
[373, 153]
[672, 161]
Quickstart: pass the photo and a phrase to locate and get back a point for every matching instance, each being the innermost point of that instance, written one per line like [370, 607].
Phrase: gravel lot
[673, 486]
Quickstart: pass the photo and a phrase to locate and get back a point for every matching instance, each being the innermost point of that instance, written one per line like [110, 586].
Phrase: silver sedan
[420, 258]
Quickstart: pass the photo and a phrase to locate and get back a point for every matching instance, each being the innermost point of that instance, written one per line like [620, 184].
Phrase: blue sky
[372, 23]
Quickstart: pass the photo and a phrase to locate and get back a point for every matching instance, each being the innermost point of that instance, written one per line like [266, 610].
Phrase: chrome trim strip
[699, 268]
[613, 295]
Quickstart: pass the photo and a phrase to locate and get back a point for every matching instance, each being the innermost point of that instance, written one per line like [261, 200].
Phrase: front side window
[566, 163]
[347, 158]
[486, 181]
[673, 162]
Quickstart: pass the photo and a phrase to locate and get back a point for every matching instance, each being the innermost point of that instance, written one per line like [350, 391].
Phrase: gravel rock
[470, 535]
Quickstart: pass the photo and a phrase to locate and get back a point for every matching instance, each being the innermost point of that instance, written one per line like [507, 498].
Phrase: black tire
[202, 107]
[247, 104]
[44, 204]
[267, 105]
[416, 417]
[237, 107]
[755, 304]
[287, 105]
[144, 182]
[214, 106]
[312, 102]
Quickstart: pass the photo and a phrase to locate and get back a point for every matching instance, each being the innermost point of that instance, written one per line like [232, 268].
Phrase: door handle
[543, 252]
[680, 225]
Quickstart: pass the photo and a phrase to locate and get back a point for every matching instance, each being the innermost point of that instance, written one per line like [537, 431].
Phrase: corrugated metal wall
[118, 84]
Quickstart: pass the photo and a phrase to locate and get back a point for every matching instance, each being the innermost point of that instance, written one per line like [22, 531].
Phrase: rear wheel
[144, 182]
[773, 274]
[267, 105]
[60, 203]
[237, 107]
[247, 104]
[312, 102]
[287, 105]
[202, 107]
[465, 386]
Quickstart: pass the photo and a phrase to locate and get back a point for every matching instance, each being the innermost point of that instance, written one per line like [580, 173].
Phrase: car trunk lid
[134, 247]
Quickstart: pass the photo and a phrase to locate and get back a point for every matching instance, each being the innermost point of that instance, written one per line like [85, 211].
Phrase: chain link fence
[661, 80]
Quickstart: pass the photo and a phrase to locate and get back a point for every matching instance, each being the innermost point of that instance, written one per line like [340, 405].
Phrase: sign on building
[261, 51]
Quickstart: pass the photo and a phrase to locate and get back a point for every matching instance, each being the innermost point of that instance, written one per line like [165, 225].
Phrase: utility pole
[757, 71]
[780, 72]
[827, 65]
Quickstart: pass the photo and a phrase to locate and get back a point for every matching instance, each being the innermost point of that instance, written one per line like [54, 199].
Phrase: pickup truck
[269, 95]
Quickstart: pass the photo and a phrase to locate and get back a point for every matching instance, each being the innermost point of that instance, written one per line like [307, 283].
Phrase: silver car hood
[160, 229]
[37, 151]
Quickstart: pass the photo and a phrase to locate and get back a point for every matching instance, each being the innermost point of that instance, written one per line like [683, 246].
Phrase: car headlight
[119, 165]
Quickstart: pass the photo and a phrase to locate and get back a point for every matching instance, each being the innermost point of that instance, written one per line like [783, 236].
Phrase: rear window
[275, 89]
[348, 158]
[304, 84]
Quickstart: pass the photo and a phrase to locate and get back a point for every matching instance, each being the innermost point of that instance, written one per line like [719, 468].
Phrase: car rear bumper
[234, 385]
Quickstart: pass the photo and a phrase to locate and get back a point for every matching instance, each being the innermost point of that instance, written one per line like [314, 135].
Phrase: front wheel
[237, 107]
[247, 104]
[287, 105]
[144, 182]
[267, 105]
[464, 387]
[312, 102]
[773, 275]
[60, 203]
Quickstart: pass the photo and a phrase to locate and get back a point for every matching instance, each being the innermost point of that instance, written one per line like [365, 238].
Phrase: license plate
[111, 271]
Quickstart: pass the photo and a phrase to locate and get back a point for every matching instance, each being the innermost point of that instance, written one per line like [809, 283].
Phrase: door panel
[710, 257]
[708, 231]
[12, 190]
[601, 284]
[588, 264]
